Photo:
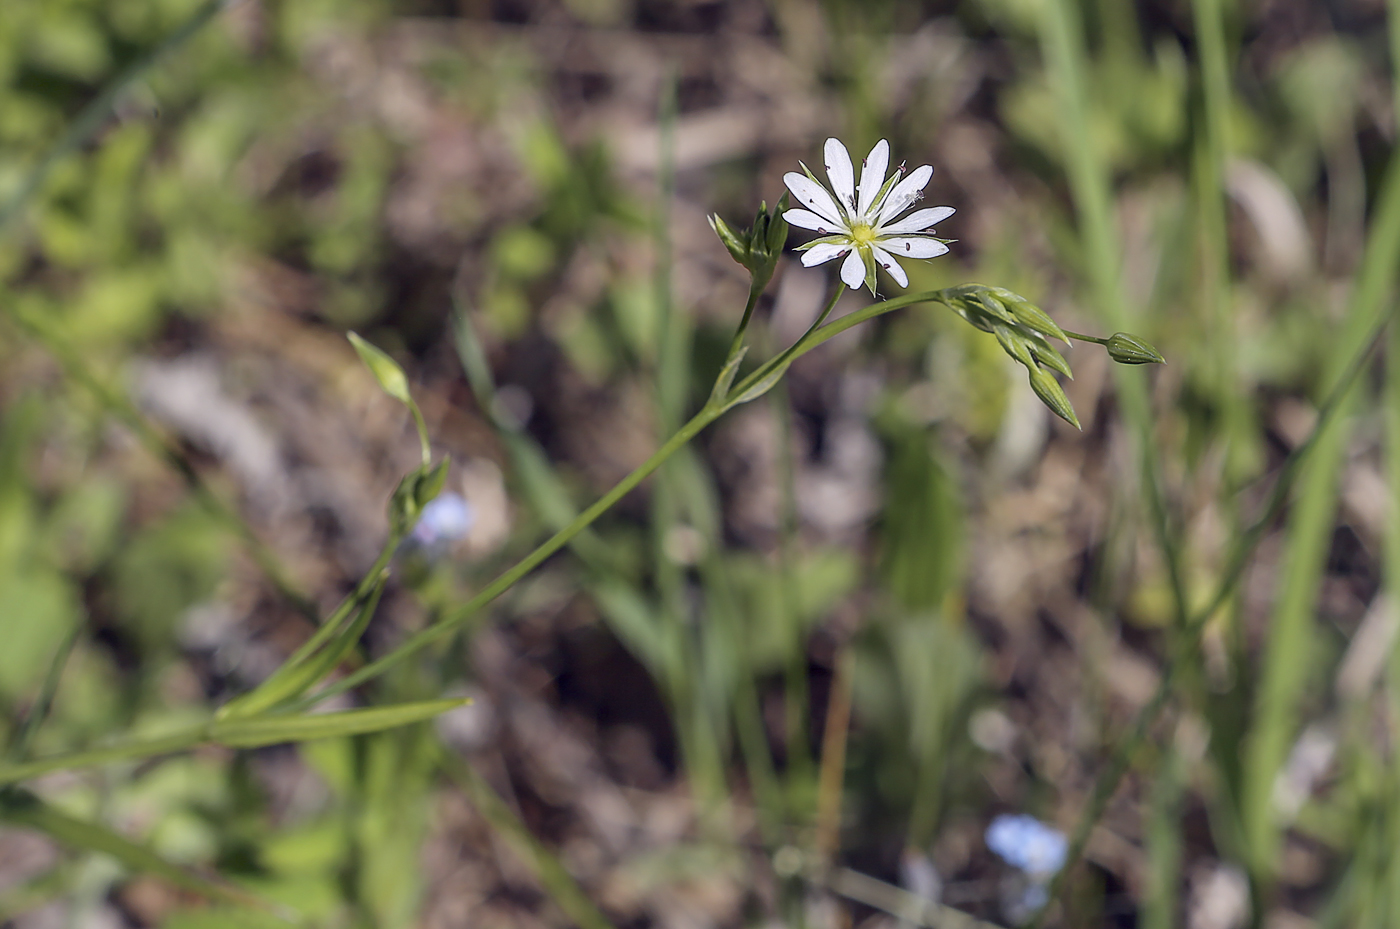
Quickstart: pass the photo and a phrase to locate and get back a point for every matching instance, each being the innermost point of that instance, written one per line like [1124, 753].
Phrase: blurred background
[510, 198]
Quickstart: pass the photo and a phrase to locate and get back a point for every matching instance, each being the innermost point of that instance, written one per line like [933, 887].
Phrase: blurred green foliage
[237, 149]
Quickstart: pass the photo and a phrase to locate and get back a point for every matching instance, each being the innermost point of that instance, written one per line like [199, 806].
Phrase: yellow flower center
[863, 235]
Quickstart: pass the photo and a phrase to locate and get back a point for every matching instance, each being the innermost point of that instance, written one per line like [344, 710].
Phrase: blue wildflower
[1026, 843]
[445, 519]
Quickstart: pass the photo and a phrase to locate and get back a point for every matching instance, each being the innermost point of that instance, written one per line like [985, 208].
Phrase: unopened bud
[736, 244]
[1047, 356]
[1127, 349]
[1014, 344]
[1052, 395]
[1029, 315]
[778, 228]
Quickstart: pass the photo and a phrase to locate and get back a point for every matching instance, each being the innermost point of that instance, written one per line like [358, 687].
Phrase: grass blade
[22, 808]
[274, 730]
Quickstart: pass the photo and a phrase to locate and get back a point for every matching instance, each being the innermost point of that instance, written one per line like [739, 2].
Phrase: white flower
[861, 223]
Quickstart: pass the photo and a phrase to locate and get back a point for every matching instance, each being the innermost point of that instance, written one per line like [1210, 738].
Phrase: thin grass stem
[548, 869]
[18, 749]
[833, 767]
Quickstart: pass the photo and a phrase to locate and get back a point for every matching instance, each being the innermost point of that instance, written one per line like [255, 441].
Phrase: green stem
[505, 581]
[19, 748]
[422, 433]
[125, 751]
[711, 412]
[548, 869]
[755, 291]
[799, 752]
[1107, 782]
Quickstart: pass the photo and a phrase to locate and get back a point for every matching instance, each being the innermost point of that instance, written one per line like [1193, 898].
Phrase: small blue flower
[1026, 843]
[446, 518]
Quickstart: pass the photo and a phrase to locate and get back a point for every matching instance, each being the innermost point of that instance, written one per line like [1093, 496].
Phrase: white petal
[872, 175]
[905, 193]
[840, 174]
[853, 270]
[819, 254]
[804, 219]
[917, 221]
[914, 246]
[813, 196]
[886, 261]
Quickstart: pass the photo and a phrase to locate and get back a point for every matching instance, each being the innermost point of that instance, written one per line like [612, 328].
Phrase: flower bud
[1128, 349]
[1014, 344]
[778, 228]
[1047, 356]
[737, 245]
[1028, 314]
[1052, 395]
[758, 247]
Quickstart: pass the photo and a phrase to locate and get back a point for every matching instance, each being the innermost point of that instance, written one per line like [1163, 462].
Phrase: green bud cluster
[758, 247]
[417, 489]
[1024, 332]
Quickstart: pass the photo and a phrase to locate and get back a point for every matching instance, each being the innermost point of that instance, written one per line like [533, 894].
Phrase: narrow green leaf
[385, 369]
[91, 758]
[726, 375]
[548, 869]
[633, 621]
[291, 680]
[473, 357]
[761, 386]
[273, 730]
[25, 809]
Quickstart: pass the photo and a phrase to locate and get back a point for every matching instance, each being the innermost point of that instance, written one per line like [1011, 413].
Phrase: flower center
[862, 234]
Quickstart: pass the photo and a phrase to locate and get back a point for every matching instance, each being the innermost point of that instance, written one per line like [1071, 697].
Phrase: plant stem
[1106, 784]
[900, 903]
[19, 748]
[833, 770]
[712, 411]
[795, 697]
[548, 869]
[527, 564]
[755, 291]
